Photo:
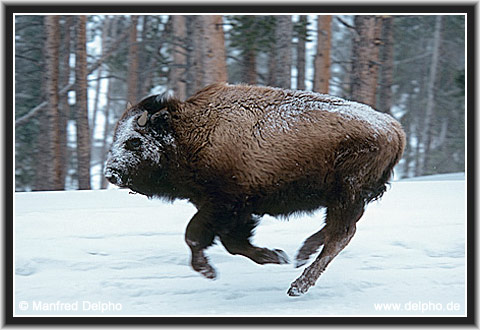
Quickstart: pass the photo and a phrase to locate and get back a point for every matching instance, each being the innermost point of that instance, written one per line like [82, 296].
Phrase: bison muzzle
[238, 152]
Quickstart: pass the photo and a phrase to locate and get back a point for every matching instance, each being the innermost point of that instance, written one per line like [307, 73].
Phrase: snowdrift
[108, 252]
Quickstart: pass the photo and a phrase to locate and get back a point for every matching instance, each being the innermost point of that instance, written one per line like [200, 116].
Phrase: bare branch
[345, 23]
[32, 112]
[22, 120]
[34, 60]
[414, 58]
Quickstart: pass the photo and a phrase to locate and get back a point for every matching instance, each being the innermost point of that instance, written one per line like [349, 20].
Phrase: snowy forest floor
[87, 249]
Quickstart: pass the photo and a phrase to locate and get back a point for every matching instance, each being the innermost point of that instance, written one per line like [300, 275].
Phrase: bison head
[142, 140]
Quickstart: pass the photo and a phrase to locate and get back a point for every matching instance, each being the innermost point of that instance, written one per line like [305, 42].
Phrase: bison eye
[133, 144]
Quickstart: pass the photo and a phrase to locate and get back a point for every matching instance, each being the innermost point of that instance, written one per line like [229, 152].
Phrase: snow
[296, 104]
[350, 110]
[120, 158]
[88, 250]
[439, 177]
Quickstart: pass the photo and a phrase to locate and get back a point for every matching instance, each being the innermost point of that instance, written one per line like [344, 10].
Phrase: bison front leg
[198, 237]
[339, 230]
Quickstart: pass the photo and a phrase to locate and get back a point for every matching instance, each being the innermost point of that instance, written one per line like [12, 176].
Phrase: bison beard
[239, 152]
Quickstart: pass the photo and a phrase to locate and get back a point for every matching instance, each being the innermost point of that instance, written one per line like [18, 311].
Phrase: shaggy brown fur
[239, 152]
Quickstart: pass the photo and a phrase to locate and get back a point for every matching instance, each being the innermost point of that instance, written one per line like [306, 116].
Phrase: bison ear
[161, 121]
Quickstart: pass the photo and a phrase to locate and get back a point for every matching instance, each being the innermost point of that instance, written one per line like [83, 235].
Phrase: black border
[472, 105]
[421, 8]
[8, 166]
[194, 8]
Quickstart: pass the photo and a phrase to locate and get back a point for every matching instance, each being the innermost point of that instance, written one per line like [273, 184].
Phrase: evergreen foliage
[250, 47]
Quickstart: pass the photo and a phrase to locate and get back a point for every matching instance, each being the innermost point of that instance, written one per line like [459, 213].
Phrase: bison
[238, 152]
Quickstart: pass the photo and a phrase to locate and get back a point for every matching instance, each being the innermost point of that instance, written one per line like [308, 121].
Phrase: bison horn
[142, 121]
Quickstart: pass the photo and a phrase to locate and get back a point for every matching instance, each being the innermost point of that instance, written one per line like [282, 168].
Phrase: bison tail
[376, 191]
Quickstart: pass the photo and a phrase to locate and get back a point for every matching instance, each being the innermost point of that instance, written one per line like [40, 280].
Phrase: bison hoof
[300, 262]
[294, 292]
[299, 286]
[266, 256]
[282, 257]
[206, 270]
[201, 265]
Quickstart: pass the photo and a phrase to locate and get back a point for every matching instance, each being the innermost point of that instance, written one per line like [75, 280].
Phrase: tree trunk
[63, 100]
[110, 38]
[302, 39]
[81, 106]
[199, 45]
[41, 155]
[250, 66]
[213, 58]
[95, 103]
[192, 65]
[65, 89]
[386, 77]
[366, 48]
[426, 137]
[54, 167]
[106, 133]
[321, 75]
[132, 75]
[144, 60]
[283, 54]
[42, 158]
[105, 28]
[272, 60]
[177, 79]
[206, 57]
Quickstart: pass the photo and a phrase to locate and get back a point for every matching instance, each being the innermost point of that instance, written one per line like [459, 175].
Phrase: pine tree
[426, 137]
[384, 100]
[177, 73]
[302, 39]
[53, 158]
[132, 76]
[30, 36]
[213, 58]
[365, 55]
[322, 57]
[250, 38]
[283, 51]
[64, 106]
[81, 105]
[414, 48]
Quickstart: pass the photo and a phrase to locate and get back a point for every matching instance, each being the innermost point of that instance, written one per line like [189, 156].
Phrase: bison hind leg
[339, 230]
[257, 254]
[309, 247]
[237, 241]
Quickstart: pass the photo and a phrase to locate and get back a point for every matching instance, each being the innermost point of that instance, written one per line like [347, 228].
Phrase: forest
[74, 75]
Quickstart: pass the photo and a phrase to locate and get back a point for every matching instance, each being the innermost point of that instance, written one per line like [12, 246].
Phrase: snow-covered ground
[77, 252]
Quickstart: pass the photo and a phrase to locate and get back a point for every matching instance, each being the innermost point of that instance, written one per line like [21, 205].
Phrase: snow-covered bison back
[238, 152]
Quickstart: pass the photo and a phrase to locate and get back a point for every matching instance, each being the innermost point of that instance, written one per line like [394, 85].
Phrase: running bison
[238, 152]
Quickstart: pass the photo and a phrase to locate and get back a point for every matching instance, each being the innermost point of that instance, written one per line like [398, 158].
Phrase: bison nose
[111, 178]
[111, 175]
